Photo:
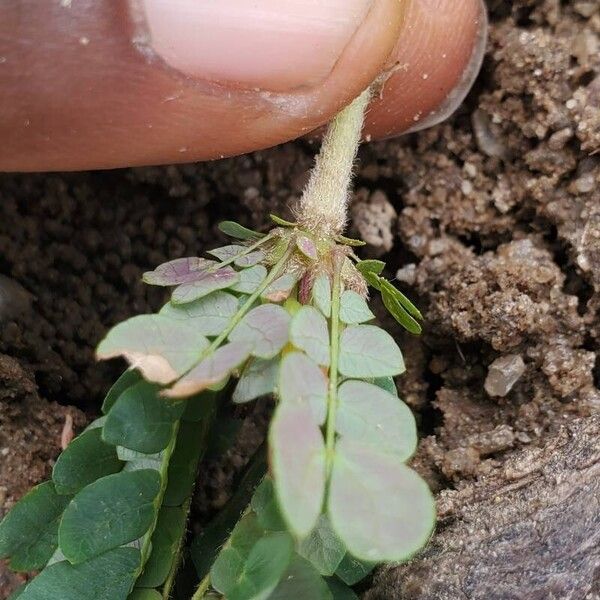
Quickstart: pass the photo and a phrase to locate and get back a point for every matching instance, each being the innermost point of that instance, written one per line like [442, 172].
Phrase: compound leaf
[160, 347]
[212, 370]
[85, 459]
[209, 282]
[106, 577]
[178, 271]
[28, 533]
[265, 329]
[108, 513]
[370, 415]
[209, 315]
[354, 308]
[235, 230]
[309, 333]
[368, 351]
[380, 508]
[259, 378]
[323, 548]
[141, 419]
[297, 453]
[302, 381]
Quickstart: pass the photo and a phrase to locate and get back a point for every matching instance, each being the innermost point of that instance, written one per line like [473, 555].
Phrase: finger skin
[75, 93]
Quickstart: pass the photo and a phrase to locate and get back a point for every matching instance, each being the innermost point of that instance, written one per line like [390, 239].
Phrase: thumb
[98, 83]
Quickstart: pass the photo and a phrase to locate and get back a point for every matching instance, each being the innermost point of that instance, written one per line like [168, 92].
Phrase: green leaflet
[342, 239]
[256, 576]
[127, 501]
[250, 280]
[235, 230]
[211, 281]
[265, 329]
[370, 266]
[321, 294]
[126, 380]
[309, 332]
[258, 378]
[322, 547]
[298, 465]
[352, 570]
[266, 508]
[280, 289]
[85, 459]
[370, 415]
[109, 576]
[166, 538]
[301, 581]
[212, 371]
[368, 351]
[380, 508]
[279, 221]
[207, 316]
[399, 313]
[141, 419]
[160, 347]
[354, 309]
[302, 381]
[339, 590]
[28, 533]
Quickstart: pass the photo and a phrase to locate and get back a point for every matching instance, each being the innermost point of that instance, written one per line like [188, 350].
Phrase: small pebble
[503, 373]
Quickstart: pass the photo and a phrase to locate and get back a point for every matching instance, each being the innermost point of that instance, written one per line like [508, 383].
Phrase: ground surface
[491, 221]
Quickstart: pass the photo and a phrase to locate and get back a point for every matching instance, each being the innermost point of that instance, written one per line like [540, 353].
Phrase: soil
[491, 221]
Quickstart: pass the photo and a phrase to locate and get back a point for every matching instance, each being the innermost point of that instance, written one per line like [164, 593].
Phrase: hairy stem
[202, 589]
[332, 401]
[324, 204]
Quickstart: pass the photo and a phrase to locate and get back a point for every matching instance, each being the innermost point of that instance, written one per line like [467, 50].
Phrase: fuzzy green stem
[332, 401]
[202, 588]
[324, 204]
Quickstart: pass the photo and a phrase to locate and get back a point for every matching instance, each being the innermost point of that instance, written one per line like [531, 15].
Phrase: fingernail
[463, 87]
[274, 45]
